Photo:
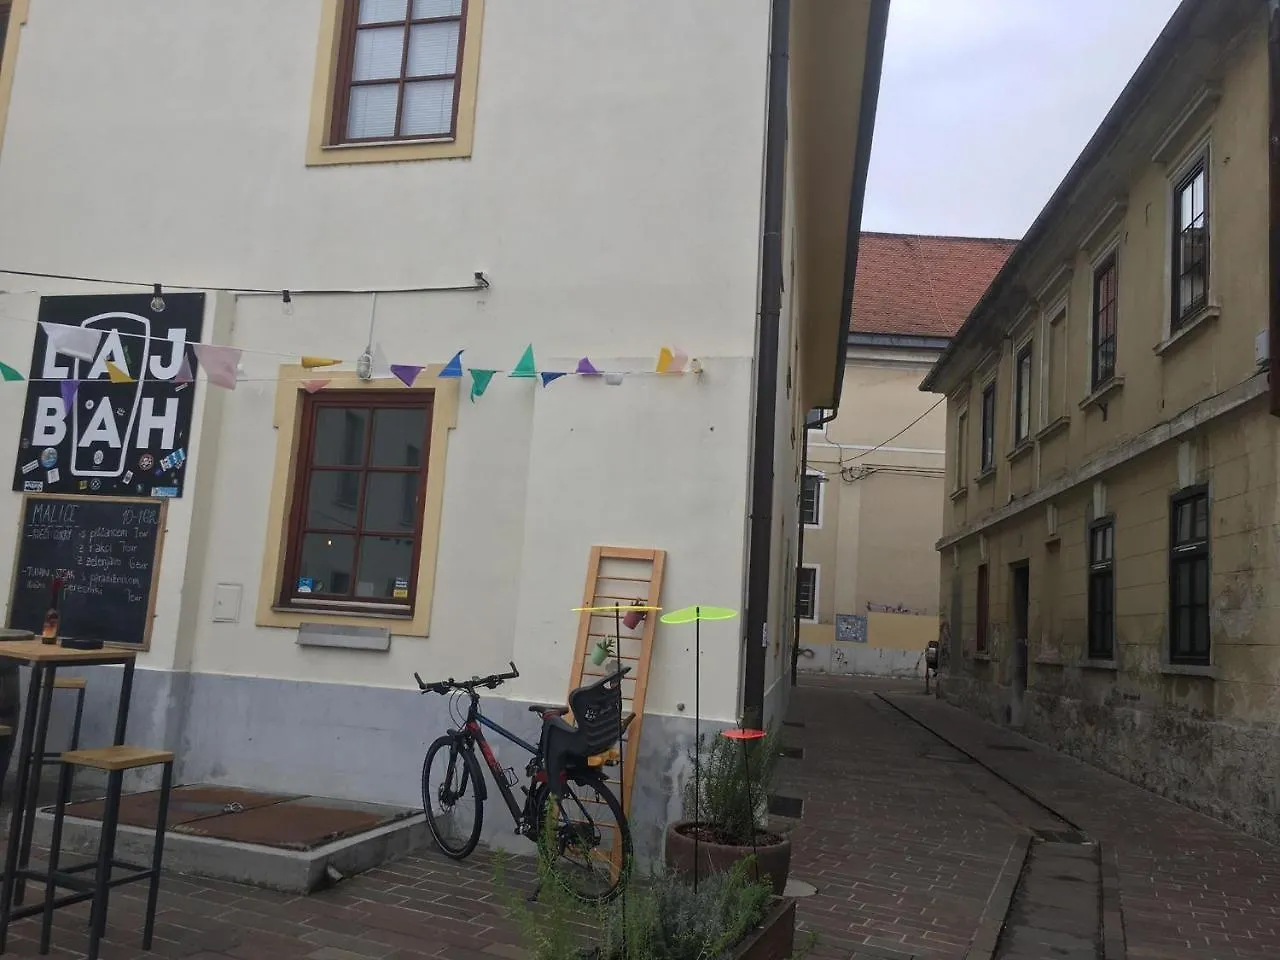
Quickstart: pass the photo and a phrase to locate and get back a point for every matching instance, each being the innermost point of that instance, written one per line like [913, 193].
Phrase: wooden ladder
[619, 576]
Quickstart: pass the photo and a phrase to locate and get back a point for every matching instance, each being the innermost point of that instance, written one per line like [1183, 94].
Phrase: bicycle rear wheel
[589, 848]
[451, 797]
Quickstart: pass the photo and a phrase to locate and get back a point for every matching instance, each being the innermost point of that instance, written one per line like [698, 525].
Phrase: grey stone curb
[997, 909]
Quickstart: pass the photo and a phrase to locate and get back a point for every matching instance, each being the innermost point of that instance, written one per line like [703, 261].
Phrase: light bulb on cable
[157, 299]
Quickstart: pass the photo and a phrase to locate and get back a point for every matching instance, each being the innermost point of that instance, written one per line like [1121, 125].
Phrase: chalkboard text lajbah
[83, 434]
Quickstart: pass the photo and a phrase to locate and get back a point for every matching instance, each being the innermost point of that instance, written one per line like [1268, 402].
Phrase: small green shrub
[733, 785]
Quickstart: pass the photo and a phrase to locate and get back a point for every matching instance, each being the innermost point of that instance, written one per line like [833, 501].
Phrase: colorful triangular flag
[220, 364]
[8, 374]
[311, 363]
[379, 369]
[314, 386]
[613, 379]
[548, 377]
[79, 342]
[117, 375]
[525, 369]
[68, 390]
[453, 369]
[480, 382]
[664, 360]
[586, 368]
[184, 374]
[406, 373]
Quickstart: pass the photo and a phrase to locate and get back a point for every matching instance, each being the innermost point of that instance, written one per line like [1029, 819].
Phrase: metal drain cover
[1008, 746]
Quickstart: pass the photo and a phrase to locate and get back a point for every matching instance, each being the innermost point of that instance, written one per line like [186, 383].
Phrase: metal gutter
[804, 468]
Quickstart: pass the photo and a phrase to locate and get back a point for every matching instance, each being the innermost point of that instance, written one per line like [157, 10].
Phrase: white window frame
[820, 500]
[1112, 246]
[1201, 150]
[1058, 312]
[959, 465]
[1014, 440]
[817, 582]
[992, 378]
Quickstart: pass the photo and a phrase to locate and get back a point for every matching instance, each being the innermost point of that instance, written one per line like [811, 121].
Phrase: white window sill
[1023, 447]
[986, 476]
[1208, 670]
[1047, 660]
[1052, 428]
[1201, 319]
[320, 610]
[1102, 392]
[416, 141]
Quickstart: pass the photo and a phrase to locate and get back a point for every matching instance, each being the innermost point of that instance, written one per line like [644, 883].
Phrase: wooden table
[44, 660]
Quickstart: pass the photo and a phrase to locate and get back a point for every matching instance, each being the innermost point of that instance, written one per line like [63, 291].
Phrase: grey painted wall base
[292, 871]
[858, 659]
[350, 742]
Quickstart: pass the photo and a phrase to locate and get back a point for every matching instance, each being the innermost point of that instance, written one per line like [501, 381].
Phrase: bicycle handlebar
[468, 686]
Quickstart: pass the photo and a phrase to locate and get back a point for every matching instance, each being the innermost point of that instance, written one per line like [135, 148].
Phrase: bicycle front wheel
[451, 797]
[589, 847]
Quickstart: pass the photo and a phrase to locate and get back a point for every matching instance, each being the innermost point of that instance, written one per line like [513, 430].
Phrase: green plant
[734, 781]
[667, 919]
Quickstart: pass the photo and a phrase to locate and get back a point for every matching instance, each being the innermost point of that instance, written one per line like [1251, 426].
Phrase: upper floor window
[988, 426]
[807, 593]
[811, 500]
[962, 447]
[1022, 395]
[1190, 243]
[398, 70]
[1105, 277]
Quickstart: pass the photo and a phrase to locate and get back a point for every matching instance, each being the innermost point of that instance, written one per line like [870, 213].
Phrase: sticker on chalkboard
[146, 462]
[30, 467]
[53, 476]
[128, 476]
[48, 458]
[306, 584]
[164, 491]
[401, 590]
[33, 486]
[173, 460]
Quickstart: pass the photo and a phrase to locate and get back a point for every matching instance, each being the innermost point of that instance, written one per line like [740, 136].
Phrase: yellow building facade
[1109, 558]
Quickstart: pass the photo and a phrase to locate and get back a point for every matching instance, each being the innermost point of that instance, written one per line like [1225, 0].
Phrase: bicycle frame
[472, 730]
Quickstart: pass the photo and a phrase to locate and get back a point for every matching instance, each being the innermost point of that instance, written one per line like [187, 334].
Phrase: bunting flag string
[548, 377]
[68, 389]
[480, 382]
[8, 374]
[117, 375]
[453, 369]
[406, 373]
[525, 369]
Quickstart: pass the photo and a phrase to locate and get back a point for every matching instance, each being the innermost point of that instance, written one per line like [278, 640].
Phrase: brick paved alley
[917, 850]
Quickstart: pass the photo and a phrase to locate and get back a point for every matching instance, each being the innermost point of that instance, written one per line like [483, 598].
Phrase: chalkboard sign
[107, 552]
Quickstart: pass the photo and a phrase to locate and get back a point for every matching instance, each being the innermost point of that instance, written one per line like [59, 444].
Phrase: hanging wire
[479, 282]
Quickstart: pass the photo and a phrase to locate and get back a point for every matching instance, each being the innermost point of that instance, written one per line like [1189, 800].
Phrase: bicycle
[567, 762]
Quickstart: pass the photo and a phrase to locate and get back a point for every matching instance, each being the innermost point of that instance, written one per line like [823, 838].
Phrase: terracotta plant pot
[772, 853]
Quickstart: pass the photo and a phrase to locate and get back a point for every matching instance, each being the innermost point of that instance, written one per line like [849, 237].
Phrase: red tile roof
[922, 286]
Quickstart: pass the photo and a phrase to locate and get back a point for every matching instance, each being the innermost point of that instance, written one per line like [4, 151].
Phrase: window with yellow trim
[356, 524]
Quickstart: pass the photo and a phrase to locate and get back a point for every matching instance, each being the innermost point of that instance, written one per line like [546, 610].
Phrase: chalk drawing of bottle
[97, 418]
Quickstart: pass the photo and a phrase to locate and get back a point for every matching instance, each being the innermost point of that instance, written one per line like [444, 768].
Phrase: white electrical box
[226, 603]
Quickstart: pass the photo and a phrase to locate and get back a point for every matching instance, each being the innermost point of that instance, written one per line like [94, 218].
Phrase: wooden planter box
[775, 938]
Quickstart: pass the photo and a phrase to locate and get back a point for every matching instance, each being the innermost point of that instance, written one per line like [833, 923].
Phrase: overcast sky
[985, 104]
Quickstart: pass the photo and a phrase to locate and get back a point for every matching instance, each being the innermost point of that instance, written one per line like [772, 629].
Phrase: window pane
[339, 438]
[1201, 518]
[398, 437]
[428, 108]
[373, 111]
[325, 562]
[1182, 527]
[422, 9]
[332, 499]
[1182, 583]
[383, 561]
[1200, 632]
[433, 49]
[1200, 582]
[1108, 543]
[1182, 630]
[391, 501]
[381, 11]
[378, 53]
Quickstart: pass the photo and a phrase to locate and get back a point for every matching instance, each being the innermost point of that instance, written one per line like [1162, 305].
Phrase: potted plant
[726, 804]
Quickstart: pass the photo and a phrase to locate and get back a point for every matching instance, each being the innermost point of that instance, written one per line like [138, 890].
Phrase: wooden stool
[77, 684]
[114, 761]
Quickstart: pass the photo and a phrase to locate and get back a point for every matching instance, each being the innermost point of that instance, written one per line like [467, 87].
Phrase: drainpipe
[1273, 97]
[764, 425]
[804, 467]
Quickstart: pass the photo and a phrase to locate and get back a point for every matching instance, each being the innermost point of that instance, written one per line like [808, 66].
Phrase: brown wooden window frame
[1101, 600]
[372, 401]
[1182, 267]
[1190, 553]
[348, 29]
[1104, 321]
[982, 611]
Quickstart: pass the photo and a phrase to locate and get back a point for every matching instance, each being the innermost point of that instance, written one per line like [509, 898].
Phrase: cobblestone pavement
[912, 846]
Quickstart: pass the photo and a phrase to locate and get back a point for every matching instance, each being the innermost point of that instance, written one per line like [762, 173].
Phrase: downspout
[764, 424]
[804, 468]
[1273, 249]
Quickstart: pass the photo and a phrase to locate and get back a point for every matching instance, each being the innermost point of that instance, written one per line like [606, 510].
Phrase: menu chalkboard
[106, 551]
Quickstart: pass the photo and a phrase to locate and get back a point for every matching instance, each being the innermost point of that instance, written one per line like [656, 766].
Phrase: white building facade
[605, 169]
